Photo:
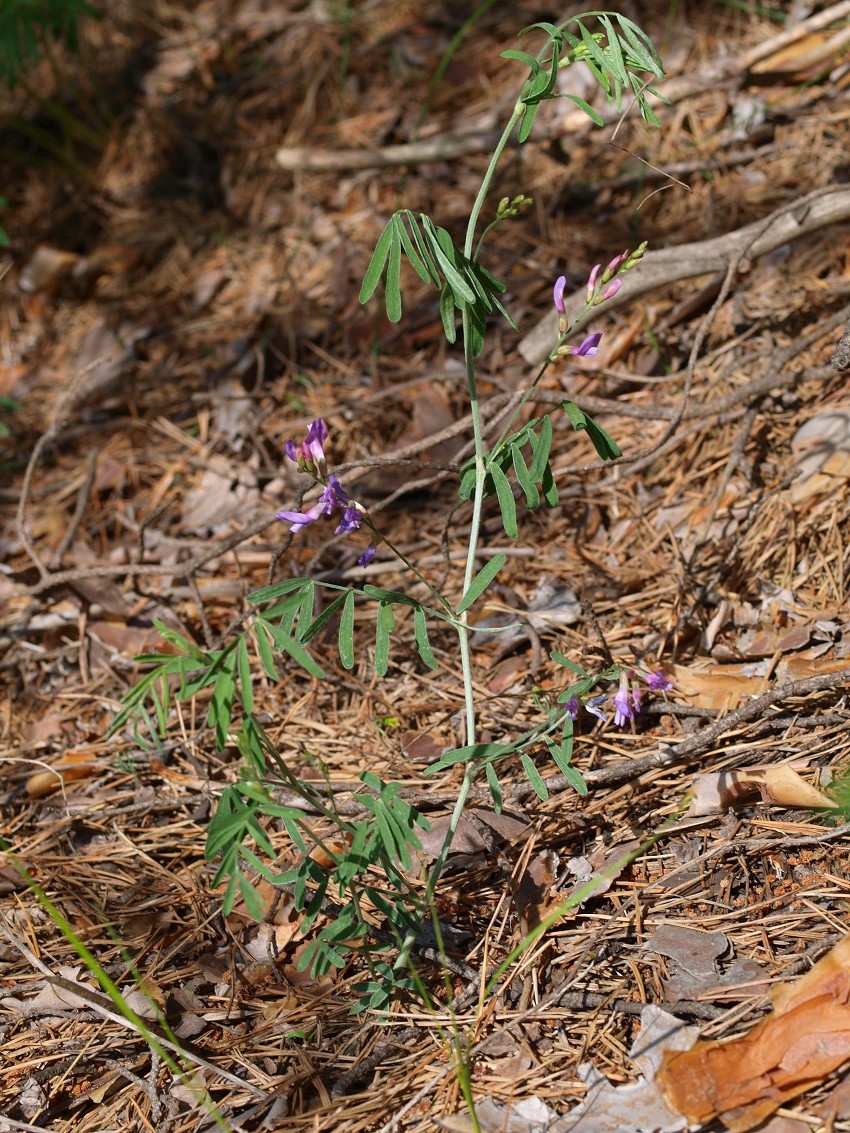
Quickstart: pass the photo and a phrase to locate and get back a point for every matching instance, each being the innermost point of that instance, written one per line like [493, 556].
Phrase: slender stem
[562, 337]
[414, 570]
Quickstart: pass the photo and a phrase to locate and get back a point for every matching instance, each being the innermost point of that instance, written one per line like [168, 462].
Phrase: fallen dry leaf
[715, 792]
[638, 1106]
[805, 1038]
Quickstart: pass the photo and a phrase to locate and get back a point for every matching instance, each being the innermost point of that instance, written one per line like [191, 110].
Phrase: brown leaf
[715, 792]
[805, 1038]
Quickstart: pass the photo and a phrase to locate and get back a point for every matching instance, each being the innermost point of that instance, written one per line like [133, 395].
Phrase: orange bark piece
[804, 1039]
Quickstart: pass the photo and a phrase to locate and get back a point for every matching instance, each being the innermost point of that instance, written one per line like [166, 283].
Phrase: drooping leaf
[481, 581]
[605, 445]
[385, 624]
[534, 777]
[346, 632]
[523, 475]
[372, 277]
[393, 280]
[507, 503]
[447, 314]
[244, 667]
[411, 252]
[541, 446]
[423, 646]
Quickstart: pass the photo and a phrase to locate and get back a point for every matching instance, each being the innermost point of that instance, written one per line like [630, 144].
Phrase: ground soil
[190, 214]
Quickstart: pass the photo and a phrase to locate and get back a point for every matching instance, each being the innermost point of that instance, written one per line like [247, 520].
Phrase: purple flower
[310, 454]
[367, 555]
[589, 347]
[571, 708]
[623, 710]
[349, 522]
[332, 497]
[612, 289]
[558, 294]
[593, 708]
[658, 682]
[301, 519]
[636, 697]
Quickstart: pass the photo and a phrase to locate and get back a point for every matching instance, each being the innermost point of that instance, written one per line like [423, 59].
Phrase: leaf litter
[208, 312]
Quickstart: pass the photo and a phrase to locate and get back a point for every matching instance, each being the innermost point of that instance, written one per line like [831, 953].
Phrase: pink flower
[558, 294]
[623, 710]
[591, 282]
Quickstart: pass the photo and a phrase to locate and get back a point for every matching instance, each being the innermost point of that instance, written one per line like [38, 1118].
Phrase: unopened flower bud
[636, 256]
[591, 282]
[609, 292]
[612, 266]
[558, 294]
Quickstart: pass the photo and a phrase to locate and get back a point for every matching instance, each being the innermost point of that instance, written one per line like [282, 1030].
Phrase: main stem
[472, 549]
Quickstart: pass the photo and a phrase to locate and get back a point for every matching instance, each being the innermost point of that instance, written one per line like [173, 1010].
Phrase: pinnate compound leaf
[471, 753]
[276, 590]
[481, 581]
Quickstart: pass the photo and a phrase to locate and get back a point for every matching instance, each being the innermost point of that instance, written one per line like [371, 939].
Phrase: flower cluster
[599, 288]
[627, 699]
[310, 457]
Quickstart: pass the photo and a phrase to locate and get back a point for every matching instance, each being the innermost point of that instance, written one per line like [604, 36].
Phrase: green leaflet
[481, 581]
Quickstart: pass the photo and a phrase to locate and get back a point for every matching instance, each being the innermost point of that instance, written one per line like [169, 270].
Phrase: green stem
[461, 623]
[414, 570]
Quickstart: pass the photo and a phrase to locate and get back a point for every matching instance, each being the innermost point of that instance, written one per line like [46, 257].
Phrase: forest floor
[191, 204]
